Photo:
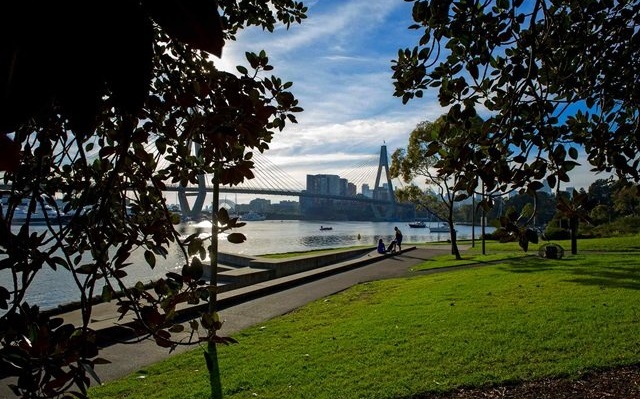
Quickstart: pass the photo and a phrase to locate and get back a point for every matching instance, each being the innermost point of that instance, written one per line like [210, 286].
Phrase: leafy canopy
[553, 77]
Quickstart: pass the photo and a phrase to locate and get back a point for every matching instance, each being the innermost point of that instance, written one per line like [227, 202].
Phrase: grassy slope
[517, 319]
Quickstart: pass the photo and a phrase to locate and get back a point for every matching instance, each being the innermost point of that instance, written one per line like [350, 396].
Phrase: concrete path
[252, 305]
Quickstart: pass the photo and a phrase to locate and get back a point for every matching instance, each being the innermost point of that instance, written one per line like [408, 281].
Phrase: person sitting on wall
[381, 247]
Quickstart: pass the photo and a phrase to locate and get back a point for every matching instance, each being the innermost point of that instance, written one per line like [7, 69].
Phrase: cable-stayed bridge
[273, 181]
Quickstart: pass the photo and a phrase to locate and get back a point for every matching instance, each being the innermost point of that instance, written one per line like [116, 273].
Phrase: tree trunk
[454, 242]
[212, 351]
[573, 228]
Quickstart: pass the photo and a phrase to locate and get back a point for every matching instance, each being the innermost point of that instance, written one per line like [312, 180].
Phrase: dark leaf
[236, 238]
[195, 270]
[223, 216]
[150, 258]
[174, 276]
[532, 235]
[524, 243]
[86, 269]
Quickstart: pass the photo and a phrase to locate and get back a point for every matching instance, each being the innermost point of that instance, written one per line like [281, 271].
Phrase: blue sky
[339, 60]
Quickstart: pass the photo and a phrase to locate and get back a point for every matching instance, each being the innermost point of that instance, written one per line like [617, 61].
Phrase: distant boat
[418, 224]
[441, 228]
[326, 228]
[252, 217]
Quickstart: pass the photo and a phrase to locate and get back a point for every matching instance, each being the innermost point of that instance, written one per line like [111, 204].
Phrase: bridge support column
[384, 163]
[201, 195]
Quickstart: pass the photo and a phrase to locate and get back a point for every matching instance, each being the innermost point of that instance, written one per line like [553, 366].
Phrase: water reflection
[336, 240]
[321, 240]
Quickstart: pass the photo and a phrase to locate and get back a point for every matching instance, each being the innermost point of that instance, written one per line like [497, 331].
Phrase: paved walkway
[249, 306]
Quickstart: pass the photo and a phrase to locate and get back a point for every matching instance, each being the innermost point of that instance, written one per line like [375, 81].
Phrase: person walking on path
[398, 238]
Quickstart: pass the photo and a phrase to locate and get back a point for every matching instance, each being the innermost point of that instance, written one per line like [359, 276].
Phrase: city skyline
[364, 189]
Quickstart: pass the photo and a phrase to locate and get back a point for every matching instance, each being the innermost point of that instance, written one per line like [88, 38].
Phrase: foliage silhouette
[553, 77]
[107, 155]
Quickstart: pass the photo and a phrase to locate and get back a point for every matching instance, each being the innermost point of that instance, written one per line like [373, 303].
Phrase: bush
[621, 226]
[499, 235]
[556, 233]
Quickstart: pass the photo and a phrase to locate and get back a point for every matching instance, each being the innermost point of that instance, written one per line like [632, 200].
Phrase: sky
[339, 60]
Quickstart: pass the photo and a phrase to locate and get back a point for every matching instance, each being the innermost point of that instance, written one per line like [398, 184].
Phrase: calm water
[53, 288]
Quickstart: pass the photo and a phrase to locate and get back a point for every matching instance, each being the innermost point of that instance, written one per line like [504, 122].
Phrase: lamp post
[473, 220]
[482, 223]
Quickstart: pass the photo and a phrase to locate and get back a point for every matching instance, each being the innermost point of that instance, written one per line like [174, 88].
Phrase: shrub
[621, 226]
[556, 233]
[499, 235]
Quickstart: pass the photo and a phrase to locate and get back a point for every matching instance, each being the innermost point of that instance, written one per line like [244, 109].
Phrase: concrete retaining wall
[287, 266]
[234, 260]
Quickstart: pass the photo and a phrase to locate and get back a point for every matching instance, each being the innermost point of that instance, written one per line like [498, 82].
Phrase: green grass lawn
[514, 319]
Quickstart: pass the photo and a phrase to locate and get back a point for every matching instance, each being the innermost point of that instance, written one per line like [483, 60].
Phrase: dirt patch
[617, 383]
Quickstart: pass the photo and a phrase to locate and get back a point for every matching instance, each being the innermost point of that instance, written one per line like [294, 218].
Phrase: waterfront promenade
[250, 305]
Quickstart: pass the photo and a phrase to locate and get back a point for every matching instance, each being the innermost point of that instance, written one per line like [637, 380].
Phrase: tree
[600, 191]
[626, 200]
[600, 214]
[553, 76]
[575, 207]
[112, 154]
[424, 157]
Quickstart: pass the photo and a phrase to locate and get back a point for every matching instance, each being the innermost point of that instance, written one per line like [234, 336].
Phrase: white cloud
[339, 60]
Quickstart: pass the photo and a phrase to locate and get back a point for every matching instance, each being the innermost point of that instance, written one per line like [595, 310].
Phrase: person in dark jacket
[381, 247]
[398, 238]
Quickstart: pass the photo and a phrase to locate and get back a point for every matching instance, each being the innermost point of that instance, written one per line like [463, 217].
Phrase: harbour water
[53, 288]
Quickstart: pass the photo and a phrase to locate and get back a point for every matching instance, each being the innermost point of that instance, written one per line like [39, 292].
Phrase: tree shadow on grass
[531, 264]
[617, 273]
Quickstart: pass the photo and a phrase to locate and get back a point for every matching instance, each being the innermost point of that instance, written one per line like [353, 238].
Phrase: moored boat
[418, 224]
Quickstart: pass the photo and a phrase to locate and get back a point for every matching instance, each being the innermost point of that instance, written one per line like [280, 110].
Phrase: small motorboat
[326, 228]
[418, 224]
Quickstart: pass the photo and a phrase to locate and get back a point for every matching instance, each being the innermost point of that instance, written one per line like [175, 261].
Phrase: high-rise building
[352, 190]
[366, 191]
[326, 184]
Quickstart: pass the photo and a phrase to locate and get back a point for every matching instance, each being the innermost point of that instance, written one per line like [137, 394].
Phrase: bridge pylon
[383, 165]
[200, 195]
